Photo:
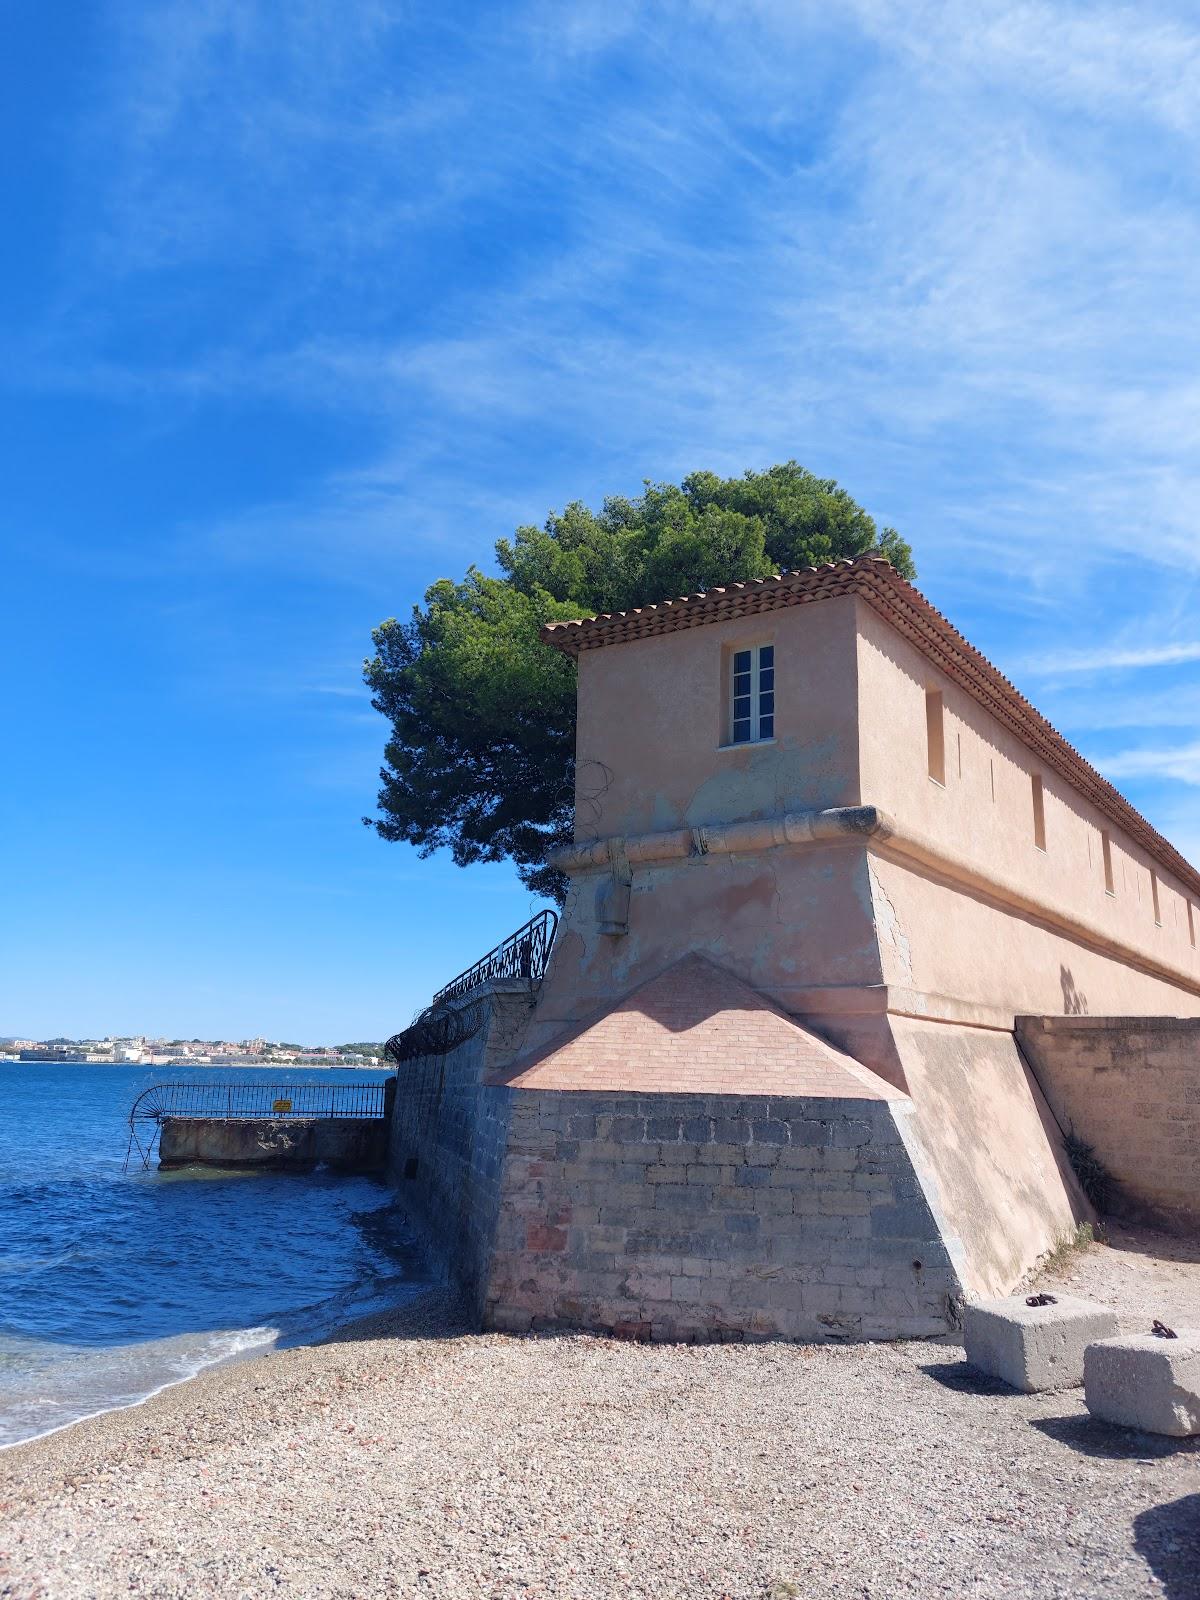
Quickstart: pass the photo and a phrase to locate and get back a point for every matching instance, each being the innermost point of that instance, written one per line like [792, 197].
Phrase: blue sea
[114, 1285]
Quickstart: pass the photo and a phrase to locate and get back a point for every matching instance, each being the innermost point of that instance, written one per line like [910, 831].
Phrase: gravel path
[408, 1459]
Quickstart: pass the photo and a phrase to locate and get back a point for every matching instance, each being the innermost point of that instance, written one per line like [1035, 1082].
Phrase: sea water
[115, 1284]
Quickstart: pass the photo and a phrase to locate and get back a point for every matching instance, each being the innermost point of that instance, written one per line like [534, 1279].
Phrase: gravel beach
[410, 1458]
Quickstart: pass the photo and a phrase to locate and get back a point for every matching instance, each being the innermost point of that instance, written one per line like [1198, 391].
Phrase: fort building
[854, 941]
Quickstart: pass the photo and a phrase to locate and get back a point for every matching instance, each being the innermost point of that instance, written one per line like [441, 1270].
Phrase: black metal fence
[447, 1023]
[259, 1101]
[524, 955]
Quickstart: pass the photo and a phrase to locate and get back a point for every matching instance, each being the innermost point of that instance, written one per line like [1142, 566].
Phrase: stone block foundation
[1130, 1087]
[661, 1207]
[698, 1217]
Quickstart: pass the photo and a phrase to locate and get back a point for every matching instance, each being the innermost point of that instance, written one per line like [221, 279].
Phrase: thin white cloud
[1114, 659]
[949, 258]
[1079, 705]
[1180, 763]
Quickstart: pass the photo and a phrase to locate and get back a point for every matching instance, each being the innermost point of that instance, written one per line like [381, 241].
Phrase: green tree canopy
[483, 714]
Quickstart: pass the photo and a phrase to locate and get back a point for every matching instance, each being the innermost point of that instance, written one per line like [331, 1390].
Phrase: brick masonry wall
[1130, 1086]
[714, 1217]
[449, 1136]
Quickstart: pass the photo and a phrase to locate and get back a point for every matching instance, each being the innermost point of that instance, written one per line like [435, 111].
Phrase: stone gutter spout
[847, 823]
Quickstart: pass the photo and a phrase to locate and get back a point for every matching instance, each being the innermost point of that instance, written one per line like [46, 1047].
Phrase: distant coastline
[210, 1066]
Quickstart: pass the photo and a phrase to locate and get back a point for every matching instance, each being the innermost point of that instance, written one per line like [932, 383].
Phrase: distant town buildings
[141, 1050]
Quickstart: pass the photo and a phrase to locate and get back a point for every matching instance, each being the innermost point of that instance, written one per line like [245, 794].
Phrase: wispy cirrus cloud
[1115, 659]
[1180, 763]
[950, 263]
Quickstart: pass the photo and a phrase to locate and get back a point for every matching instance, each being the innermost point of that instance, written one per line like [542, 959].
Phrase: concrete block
[677, 1197]
[1033, 1348]
[1142, 1381]
[768, 1131]
[732, 1130]
[742, 1222]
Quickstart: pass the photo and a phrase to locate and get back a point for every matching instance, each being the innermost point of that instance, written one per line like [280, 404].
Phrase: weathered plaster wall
[1006, 1192]
[1130, 1086]
[649, 751]
[982, 815]
[781, 920]
[709, 1216]
[449, 1136]
[954, 946]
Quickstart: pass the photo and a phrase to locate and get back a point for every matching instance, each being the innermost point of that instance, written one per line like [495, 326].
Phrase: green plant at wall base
[1083, 1237]
[481, 754]
[1095, 1179]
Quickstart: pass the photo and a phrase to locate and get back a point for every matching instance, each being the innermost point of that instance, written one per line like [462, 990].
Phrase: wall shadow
[1144, 1239]
[1167, 1538]
[434, 1310]
[1074, 1000]
[1105, 1442]
[964, 1379]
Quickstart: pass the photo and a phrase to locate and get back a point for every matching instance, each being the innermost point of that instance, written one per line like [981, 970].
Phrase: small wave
[74, 1390]
[45, 1388]
[116, 1286]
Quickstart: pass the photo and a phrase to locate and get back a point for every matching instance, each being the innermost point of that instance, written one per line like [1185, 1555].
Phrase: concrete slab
[1142, 1381]
[1032, 1348]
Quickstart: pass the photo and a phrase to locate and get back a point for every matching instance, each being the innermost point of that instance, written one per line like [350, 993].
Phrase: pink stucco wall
[649, 754]
[983, 816]
[985, 926]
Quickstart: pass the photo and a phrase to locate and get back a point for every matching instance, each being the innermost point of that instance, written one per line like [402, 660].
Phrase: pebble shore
[408, 1457]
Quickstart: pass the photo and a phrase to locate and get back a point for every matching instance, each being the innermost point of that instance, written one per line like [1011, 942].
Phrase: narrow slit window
[1039, 813]
[752, 694]
[1154, 898]
[935, 734]
[1110, 886]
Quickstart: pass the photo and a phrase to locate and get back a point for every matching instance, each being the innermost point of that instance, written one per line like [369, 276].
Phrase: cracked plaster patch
[888, 923]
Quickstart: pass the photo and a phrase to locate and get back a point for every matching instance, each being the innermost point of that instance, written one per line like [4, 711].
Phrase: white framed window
[752, 694]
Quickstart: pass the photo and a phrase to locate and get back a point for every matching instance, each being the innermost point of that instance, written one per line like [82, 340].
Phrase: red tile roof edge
[876, 581]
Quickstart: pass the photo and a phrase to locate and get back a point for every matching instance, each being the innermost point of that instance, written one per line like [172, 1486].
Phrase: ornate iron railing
[258, 1102]
[446, 1023]
[523, 955]
[270, 1101]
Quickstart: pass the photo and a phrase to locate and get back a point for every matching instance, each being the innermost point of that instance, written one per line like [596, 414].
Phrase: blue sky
[303, 305]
